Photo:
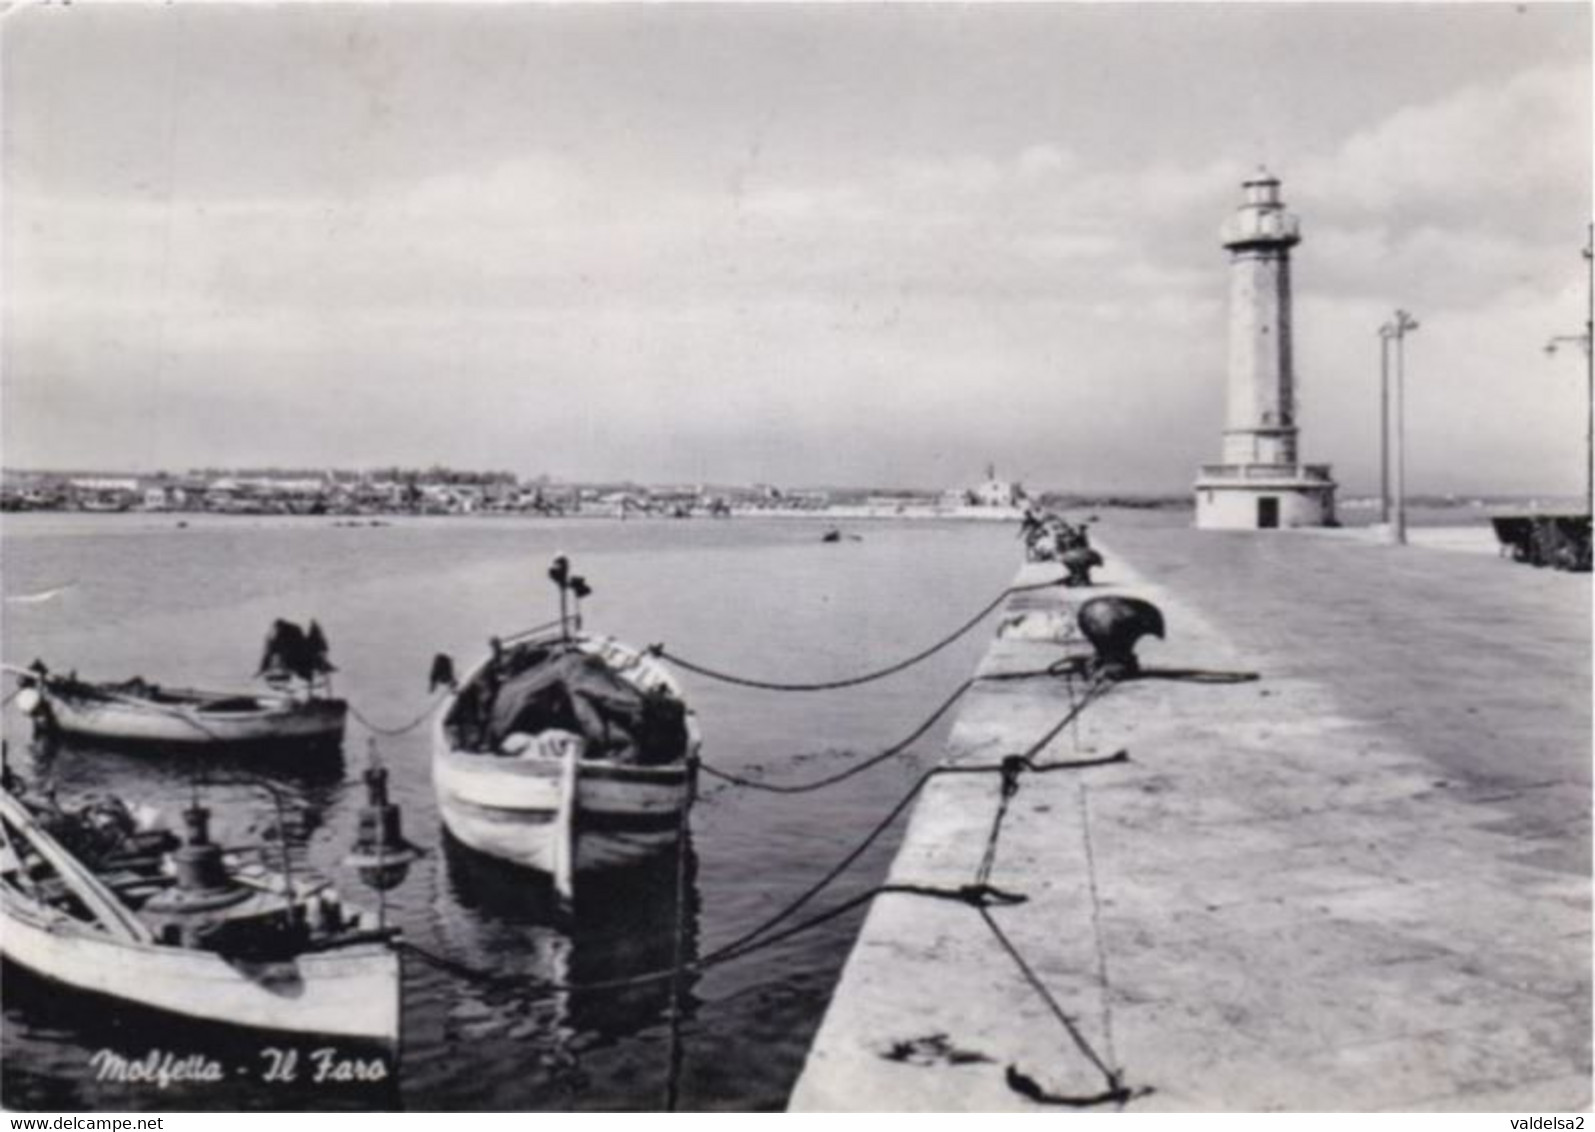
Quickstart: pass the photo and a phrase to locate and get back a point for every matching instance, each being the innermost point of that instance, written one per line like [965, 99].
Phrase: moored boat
[135, 711]
[566, 753]
[296, 707]
[196, 931]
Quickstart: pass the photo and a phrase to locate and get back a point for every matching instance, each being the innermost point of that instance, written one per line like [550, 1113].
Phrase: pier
[1359, 882]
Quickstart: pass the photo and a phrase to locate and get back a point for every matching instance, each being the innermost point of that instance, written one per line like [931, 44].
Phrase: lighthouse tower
[1261, 483]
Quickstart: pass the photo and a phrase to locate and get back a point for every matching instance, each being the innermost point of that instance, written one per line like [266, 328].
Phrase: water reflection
[297, 762]
[591, 977]
[255, 799]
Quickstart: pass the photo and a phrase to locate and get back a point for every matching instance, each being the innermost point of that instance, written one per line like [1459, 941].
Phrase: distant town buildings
[442, 491]
[437, 491]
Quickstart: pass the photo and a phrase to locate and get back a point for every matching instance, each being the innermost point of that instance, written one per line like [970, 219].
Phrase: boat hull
[280, 720]
[509, 808]
[348, 992]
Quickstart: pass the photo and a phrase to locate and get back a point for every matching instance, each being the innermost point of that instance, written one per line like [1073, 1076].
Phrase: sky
[798, 243]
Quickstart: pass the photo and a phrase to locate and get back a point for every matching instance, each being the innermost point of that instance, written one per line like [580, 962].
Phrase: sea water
[187, 600]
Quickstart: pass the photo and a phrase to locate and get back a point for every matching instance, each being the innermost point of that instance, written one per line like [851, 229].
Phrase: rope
[842, 775]
[1096, 924]
[1011, 768]
[1098, 687]
[1068, 687]
[677, 1050]
[1116, 1089]
[838, 869]
[851, 681]
[749, 942]
[1026, 760]
[408, 727]
[974, 895]
[895, 749]
[1198, 675]
[980, 895]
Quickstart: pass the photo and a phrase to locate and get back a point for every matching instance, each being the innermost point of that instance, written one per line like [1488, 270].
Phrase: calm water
[766, 598]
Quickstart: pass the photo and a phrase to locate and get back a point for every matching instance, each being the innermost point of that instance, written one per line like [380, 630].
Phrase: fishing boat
[296, 706]
[565, 752]
[137, 711]
[93, 903]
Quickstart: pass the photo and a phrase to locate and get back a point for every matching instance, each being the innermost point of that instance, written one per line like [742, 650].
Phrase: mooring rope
[980, 895]
[1096, 924]
[402, 729]
[851, 681]
[1041, 990]
[677, 1051]
[897, 748]
[966, 894]
[892, 815]
[1012, 768]
[750, 940]
[843, 775]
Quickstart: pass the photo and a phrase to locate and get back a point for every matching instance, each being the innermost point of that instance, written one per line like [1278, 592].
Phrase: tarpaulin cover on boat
[563, 687]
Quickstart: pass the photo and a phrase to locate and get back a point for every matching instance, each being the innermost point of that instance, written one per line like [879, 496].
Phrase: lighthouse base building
[1261, 484]
[1249, 497]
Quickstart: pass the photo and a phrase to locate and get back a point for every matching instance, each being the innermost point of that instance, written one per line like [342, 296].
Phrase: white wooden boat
[311, 967]
[558, 800]
[138, 712]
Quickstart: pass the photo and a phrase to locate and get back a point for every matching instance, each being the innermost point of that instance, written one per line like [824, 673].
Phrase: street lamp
[1398, 329]
[1583, 340]
[1386, 332]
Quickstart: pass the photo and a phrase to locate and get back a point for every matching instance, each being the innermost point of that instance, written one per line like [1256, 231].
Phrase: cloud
[888, 310]
[1509, 145]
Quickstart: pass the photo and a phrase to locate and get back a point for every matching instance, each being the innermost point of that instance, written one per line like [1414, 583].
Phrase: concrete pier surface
[1360, 882]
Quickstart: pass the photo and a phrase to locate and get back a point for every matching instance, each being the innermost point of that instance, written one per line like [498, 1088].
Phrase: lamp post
[1386, 332]
[1398, 330]
[1583, 340]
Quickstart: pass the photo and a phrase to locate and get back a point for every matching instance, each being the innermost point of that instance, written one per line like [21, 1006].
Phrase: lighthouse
[1261, 483]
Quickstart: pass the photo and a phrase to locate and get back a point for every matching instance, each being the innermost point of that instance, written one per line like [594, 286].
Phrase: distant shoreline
[1459, 514]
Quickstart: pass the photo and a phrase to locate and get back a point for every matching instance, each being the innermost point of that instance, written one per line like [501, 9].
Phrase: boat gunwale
[126, 718]
[444, 748]
[57, 922]
[272, 704]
